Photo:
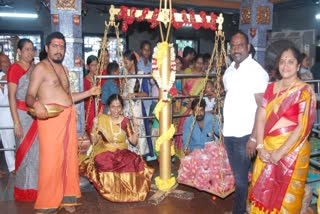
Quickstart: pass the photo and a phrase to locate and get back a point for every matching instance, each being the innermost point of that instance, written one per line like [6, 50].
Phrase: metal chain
[221, 60]
[215, 49]
[100, 68]
[119, 56]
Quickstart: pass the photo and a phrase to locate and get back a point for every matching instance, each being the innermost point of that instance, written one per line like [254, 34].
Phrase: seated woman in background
[117, 173]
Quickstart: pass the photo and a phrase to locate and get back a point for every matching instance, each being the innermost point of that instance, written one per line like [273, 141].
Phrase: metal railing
[5, 128]
[149, 76]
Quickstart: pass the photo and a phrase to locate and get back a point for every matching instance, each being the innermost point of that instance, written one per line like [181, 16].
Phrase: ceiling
[227, 4]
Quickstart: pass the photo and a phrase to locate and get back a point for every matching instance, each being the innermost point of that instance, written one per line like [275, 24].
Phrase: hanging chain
[98, 83]
[219, 58]
[204, 81]
[221, 61]
[119, 57]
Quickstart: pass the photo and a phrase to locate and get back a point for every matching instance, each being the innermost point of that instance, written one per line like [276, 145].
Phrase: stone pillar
[256, 20]
[66, 18]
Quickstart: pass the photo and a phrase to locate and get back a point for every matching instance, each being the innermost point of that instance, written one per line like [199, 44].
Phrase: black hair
[195, 103]
[91, 58]
[130, 55]
[99, 52]
[211, 82]
[188, 50]
[22, 42]
[243, 34]
[295, 52]
[206, 57]
[43, 54]
[179, 58]
[303, 56]
[112, 67]
[143, 43]
[114, 97]
[55, 35]
[198, 56]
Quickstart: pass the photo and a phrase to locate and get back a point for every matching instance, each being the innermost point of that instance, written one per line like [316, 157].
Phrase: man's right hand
[40, 111]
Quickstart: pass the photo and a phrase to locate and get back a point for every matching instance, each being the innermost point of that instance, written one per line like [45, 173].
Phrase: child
[209, 97]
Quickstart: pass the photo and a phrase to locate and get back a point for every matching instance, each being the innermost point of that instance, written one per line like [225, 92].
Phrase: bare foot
[71, 209]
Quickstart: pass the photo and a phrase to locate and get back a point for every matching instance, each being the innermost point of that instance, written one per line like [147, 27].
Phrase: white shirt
[240, 105]
[209, 103]
[5, 115]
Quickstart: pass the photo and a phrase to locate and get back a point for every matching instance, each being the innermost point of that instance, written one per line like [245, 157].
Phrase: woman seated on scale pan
[117, 173]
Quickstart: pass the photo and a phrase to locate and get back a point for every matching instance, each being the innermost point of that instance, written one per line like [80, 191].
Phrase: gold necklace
[115, 134]
[276, 105]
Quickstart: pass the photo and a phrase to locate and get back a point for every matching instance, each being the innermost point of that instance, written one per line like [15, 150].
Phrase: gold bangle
[16, 123]
[260, 146]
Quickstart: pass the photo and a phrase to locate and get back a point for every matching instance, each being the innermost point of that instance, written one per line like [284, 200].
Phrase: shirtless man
[49, 85]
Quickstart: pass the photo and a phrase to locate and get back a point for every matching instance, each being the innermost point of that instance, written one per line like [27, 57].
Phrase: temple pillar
[66, 18]
[256, 20]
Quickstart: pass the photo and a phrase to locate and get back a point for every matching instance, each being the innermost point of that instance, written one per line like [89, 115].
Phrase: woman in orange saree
[117, 173]
[190, 87]
[284, 122]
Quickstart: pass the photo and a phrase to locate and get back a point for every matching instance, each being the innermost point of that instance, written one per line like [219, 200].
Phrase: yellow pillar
[165, 120]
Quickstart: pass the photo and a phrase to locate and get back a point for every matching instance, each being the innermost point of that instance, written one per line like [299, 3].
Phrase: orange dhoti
[58, 183]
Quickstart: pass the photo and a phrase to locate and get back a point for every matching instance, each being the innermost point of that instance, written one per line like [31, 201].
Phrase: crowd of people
[264, 125]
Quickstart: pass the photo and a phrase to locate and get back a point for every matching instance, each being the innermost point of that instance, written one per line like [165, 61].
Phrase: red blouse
[15, 72]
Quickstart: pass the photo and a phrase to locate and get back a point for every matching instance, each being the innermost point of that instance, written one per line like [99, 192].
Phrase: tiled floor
[92, 202]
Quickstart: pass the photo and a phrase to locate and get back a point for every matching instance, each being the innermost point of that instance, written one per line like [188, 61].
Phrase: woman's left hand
[276, 155]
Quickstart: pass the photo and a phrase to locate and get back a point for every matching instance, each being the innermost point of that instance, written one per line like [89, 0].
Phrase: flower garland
[128, 19]
[157, 59]
[165, 185]
[168, 89]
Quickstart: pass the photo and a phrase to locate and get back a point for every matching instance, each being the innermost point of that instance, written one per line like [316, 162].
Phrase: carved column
[256, 20]
[66, 18]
